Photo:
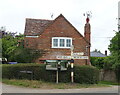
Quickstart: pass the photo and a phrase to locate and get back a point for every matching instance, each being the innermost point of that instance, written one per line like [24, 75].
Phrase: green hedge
[98, 62]
[86, 74]
[82, 74]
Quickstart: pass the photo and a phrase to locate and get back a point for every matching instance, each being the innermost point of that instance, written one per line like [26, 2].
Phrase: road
[16, 89]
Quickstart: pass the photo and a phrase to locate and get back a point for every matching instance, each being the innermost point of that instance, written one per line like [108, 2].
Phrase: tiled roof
[97, 54]
[35, 27]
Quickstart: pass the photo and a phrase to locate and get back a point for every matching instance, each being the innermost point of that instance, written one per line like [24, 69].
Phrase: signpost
[56, 65]
[72, 64]
[61, 65]
[72, 57]
[77, 55]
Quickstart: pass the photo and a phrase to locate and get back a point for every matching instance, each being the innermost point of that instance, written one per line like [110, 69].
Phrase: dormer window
[61, 42]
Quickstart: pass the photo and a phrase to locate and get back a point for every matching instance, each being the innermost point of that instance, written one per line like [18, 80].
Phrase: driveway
[16, 89]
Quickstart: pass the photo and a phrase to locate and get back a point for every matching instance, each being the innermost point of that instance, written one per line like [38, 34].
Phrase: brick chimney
[87, 34]
[87, 29]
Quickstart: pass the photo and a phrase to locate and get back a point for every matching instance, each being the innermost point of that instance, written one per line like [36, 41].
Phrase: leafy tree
[98, 62]
[108, 63]
[9, 44]
[114, 48]
[13, 48]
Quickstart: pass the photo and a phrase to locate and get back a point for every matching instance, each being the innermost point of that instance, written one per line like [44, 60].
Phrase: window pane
[68, 43]
[55, 42]
[62, 42]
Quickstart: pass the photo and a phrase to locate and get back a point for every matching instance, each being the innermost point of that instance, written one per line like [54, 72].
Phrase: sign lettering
[78, 53]
[73, 57]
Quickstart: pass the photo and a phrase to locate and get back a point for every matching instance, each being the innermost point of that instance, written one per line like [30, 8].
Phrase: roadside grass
[109, 83]
[0, 79]
[50, 85]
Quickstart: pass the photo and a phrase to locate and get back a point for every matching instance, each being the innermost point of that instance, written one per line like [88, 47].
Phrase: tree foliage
[9, 42]
[98, 62]
[13, 48]
[114, 48]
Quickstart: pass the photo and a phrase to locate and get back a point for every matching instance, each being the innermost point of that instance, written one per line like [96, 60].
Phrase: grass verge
[109, 83]
[49, 85]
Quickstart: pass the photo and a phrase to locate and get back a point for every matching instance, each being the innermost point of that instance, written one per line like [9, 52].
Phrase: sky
[103, 18]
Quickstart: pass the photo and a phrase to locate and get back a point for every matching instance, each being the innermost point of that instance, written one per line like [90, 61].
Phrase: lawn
[50, 85]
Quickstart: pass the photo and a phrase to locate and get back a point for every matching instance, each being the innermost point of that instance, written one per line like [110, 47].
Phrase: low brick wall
[108, 75]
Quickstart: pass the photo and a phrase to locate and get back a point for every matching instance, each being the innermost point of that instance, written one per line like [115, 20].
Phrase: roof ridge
[38, 19]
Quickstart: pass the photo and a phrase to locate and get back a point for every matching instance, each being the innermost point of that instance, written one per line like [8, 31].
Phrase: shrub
[98, 62]
[86, 74]
[82, 74]
[25, 55]
[109, 62]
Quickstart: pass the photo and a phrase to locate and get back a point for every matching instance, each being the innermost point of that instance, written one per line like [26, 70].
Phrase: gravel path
[16, 89]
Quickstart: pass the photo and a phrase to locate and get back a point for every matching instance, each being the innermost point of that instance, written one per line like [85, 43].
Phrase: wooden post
[72, 73]
[57, 76]
[57, 72]
[72, 62]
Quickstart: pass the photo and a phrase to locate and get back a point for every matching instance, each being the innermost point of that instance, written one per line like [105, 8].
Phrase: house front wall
[61, 28]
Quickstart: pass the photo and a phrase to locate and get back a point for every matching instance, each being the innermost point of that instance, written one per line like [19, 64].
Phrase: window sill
[61, 47]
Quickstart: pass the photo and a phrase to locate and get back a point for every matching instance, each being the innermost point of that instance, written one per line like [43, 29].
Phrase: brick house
[56, 37]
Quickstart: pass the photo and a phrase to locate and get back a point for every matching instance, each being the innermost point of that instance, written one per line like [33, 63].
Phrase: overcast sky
[103, 21]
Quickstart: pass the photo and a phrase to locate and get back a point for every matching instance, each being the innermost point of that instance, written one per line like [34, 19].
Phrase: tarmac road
[16, 89]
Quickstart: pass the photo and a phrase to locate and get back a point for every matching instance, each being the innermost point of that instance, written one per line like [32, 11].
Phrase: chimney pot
[106, 52]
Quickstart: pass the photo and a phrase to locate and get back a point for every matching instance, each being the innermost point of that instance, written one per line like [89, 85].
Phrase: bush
[86, 74]
[82, 74]
[109, 62]
[25, 55]
[98, 62]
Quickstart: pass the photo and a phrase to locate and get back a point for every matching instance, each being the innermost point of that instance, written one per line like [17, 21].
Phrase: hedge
[86, 74]
[82, 74]
[98, 62]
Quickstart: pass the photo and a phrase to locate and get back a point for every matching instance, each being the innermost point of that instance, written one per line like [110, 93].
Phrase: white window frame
[32, 36]
[65, 39]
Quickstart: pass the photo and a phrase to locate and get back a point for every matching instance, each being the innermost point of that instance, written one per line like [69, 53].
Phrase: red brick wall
[87, 35]
[30, 42]
[60, 28]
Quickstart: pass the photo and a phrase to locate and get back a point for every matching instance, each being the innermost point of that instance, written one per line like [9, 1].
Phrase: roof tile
[35, 27]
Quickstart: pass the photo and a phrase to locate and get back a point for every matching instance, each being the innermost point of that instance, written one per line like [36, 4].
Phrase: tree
[13, 48]
[114, 48]
[9, 45]
[9, 42]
